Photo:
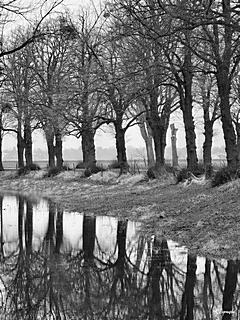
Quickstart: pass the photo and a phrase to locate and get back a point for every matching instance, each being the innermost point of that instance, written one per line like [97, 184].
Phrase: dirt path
[206, 220]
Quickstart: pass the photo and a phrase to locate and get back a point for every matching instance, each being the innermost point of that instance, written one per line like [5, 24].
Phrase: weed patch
[26, 169]
[89, 171]
[222, 176]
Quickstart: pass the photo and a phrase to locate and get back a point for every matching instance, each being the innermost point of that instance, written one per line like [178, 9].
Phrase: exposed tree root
[192, 179]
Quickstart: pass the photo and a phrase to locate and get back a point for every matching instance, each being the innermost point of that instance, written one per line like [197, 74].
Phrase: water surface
[68, 265]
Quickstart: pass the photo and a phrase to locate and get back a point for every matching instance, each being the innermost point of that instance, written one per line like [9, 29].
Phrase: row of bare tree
[130, 63]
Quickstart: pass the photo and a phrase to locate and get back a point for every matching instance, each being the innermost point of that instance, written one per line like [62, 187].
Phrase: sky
[105, 136]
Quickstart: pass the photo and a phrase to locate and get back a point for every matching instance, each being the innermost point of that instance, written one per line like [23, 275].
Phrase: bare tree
[156, 90]
[214, 26]
[224, 45]
[145, 130]
[15, 11]
[49, 57]
[18, 88]
[171, 64]
[84, 98]
[209, 101]
[120, 88]
[235, 109]
[4, 121]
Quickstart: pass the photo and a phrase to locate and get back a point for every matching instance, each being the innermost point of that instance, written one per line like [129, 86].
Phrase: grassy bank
[205, 219]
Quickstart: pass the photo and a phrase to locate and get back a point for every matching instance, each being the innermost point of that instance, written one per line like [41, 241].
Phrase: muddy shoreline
[205, 219]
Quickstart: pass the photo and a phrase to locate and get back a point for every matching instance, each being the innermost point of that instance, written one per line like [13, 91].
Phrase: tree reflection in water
[188, 293]
[131, 276]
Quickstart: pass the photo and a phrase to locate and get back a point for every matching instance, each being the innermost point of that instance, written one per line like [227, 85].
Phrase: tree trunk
[58, 149]
[150, 152]
[207, 145]
[159, 145]
[157, 130]
[59, 231]
[88, 148]
[1, 154]
[159, 138]
[208, 297]
[188, 295]
[237, 126]
[1, 230]
[28, 143]
[227, 125]
[165, 118]
[49, 237]
[121, 244]
[159, 126]
[229, 288]
[192, 160]
[89, 237]
[174, 145]
[121, 146]
[51, 149]
[186, 106]
[155, 306]
[1, 139]
[20, 223]
[148, 139]
[224, 79]
[20, 146]
[29, 227]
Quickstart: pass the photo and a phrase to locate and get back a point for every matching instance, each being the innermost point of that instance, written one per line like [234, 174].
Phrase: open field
[206, 220]
[134, 163]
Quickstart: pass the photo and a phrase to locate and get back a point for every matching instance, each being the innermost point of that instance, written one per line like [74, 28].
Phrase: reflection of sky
[72, 231]
[106, 237]
[106, 230]
[106, 234]
[10, 223]
[40, 223]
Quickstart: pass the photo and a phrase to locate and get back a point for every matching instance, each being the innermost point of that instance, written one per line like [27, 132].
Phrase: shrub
[34, 167]
[80, 165]
[26, 169]
[156, 173]
[114, 165]
[170, 168]
[66, 168]
[22, 171]
[89, 171]
[238, 174]
[182, 175]
[52, 172]
[55, 170]
[185, 173]
[222, 176]
[208, 171]
[151, 173]
[200, 170]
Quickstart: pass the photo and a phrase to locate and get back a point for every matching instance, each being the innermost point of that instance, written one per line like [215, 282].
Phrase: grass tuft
[222, 176]
[89, 171]
[80, 165]
[114, 164]
[26, 169]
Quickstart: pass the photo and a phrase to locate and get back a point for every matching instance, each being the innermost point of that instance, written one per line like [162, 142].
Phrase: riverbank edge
[205, 219]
